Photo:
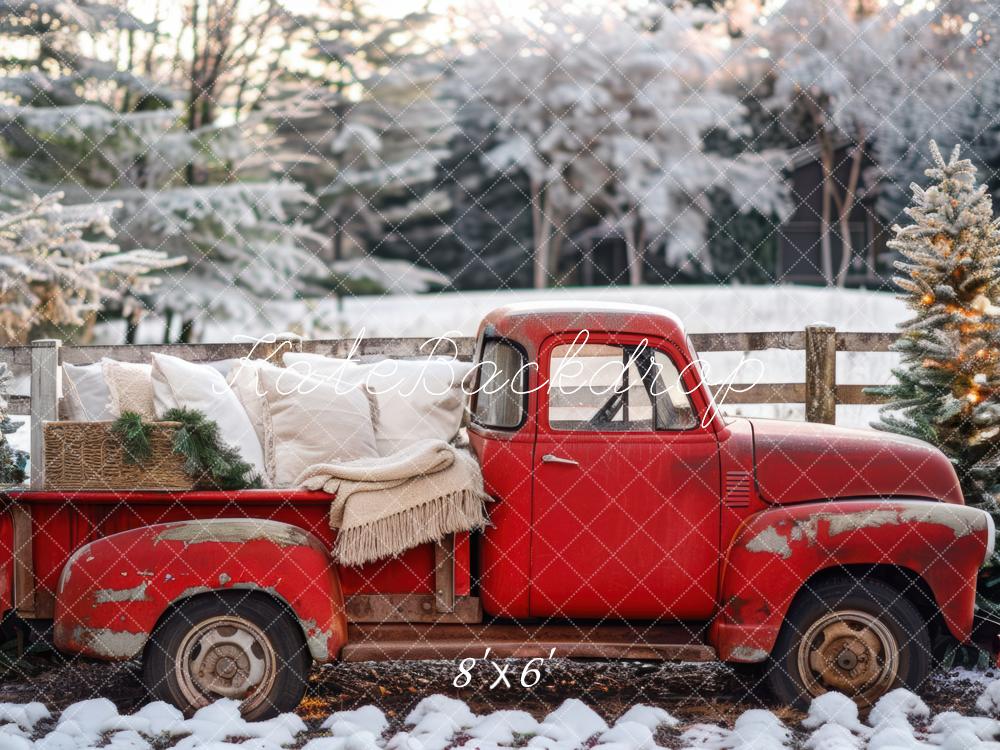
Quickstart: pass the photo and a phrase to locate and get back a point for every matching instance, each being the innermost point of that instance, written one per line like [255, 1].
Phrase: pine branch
[206, 455]
[135, 436]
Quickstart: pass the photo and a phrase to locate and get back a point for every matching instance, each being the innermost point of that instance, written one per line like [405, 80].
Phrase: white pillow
[243, 380]
[417, 399]
[131, 388]
[86, 392]
[202, 387]
[308, 421]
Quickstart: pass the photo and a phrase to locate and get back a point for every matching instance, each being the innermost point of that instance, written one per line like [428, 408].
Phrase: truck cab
[625, 495]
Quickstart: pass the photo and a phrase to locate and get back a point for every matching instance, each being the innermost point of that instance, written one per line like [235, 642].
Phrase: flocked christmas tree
[948, 385]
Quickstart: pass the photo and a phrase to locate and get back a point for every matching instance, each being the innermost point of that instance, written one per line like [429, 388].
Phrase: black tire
[865, 636]
[235, 644]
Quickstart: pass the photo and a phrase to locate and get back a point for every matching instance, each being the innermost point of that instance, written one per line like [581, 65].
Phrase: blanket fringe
[464, 510]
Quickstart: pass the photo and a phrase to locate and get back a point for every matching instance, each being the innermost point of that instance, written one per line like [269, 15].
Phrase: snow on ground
[899, 721]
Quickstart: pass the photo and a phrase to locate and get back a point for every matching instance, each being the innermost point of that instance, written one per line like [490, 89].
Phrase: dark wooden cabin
[798, 257]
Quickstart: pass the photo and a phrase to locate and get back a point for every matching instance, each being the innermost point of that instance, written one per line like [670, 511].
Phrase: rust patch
[236, 530]
[317, 640]
[112, 644]
[748, 654]
[961, 519]
[769, 540]
[134, 594]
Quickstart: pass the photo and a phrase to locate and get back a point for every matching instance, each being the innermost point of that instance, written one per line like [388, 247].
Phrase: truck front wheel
[860, 638]
[228, 645]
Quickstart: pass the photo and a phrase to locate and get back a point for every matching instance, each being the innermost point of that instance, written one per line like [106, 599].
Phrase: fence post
[44, 401]
[821, 374]
[273, 350]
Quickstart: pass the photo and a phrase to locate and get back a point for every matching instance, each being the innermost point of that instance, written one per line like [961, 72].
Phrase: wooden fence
[818, 391]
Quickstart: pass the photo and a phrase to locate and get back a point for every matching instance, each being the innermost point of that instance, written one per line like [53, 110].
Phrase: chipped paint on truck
[779, 549]
[108, 603]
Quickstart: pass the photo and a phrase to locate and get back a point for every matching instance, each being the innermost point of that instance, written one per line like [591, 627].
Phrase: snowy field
[899, 721]
[702, 308]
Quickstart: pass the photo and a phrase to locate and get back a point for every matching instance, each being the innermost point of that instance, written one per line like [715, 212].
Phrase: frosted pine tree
[92, 106]
[607, 120]
[948, 385]
[58, 268]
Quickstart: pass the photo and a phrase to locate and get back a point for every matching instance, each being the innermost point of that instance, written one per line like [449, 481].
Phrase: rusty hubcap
[851, 652]
[227, 657]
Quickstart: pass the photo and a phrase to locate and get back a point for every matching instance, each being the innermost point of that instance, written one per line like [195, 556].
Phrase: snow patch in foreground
[900, 720]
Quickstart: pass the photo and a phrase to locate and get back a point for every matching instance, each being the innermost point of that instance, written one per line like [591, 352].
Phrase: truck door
[626, 488]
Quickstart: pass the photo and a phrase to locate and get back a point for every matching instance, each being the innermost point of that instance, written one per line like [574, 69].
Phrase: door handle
[548, 458]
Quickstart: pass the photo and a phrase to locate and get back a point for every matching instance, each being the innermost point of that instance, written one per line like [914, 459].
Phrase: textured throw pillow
[308, 421]
[417, 399]
[86, 394]
[131, 388]
[243, 380]
[177, 383]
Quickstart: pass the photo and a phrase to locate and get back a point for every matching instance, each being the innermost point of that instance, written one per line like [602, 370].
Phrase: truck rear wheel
[859, 638]
[228, 645]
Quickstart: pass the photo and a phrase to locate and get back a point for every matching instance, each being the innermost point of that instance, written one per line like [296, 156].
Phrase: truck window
[610, 388]
[498, 400]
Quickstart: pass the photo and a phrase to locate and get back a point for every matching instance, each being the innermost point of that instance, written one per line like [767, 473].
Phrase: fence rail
[818, 391]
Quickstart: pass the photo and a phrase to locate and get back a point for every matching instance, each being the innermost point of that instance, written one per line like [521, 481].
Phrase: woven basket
[88, 456]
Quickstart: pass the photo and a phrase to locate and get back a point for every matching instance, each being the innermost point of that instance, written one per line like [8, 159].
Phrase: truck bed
[59, 522]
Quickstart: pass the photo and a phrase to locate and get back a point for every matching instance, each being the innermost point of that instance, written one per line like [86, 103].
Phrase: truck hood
[800, 462]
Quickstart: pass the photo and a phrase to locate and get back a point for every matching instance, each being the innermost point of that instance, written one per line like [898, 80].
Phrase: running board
[419, 642]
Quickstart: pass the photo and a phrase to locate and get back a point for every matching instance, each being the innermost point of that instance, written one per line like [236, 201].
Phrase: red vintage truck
[630, 522]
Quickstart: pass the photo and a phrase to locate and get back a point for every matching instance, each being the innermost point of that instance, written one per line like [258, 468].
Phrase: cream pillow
[86, 394]
[243, 380]
[131, 388]
[417, 399]
[203, 388]
[308, 421]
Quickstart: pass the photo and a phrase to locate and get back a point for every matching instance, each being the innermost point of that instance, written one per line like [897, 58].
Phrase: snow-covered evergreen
[606, 109]
[867, 85]
[366, 132]
[101, 128]
[56, 272]
[946, 88]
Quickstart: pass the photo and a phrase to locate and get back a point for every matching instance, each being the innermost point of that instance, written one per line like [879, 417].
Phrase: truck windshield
[498, 400]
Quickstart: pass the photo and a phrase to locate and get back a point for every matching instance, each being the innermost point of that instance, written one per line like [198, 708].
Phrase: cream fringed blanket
[385, 505]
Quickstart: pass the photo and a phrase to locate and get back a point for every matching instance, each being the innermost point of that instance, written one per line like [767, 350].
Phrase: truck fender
[779, 549]
[113, 591]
